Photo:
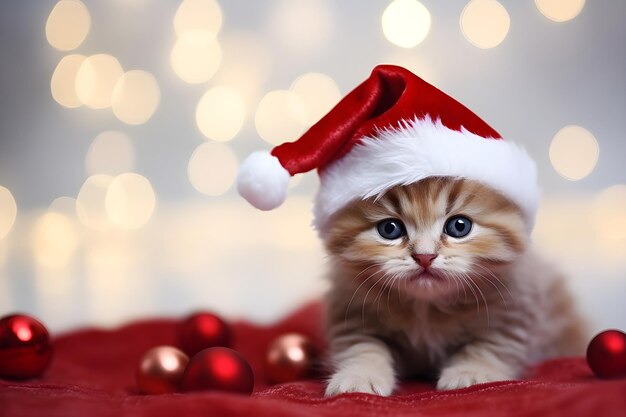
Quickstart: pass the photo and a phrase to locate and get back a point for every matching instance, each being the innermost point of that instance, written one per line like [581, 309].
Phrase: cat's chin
[426, 285]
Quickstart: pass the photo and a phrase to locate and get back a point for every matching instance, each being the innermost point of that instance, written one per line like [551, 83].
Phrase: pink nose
[424, 259]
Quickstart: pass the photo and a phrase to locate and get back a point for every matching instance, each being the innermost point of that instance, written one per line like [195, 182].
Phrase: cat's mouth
[425, 275]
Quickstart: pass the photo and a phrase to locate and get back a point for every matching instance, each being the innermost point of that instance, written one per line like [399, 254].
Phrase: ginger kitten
[436, 279]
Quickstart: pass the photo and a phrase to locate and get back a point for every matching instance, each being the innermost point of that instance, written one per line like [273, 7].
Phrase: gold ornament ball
[160, 370]
[290, 357]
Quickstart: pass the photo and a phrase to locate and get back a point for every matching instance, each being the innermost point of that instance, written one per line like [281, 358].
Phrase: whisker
[494, 276]
[481, 276]
[345, 318]
[482, 295]
[458, 291]
[393, 278]
[381, 292]
[464, 293]
[377, 297]
[366, 269]
[471, 288]
[403, 289]
[388, 284]
[365, 299]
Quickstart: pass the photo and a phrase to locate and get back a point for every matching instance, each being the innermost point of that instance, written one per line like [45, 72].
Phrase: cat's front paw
[361, 380]
[466, 375]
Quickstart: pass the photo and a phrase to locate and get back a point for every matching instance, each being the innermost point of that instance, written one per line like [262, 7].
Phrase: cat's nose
[424, 259]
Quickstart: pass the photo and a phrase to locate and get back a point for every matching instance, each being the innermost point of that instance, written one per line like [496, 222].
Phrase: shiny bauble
[290, 357]
[160, 370]
[606, 354]
[202, 330]
[25, 349]
[218, 369]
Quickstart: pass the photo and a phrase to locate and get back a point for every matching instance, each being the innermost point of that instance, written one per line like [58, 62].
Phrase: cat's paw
[466, 375]
[378, 382]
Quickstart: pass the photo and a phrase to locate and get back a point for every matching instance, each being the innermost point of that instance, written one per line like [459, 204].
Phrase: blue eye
[391, 229]
[458, 226]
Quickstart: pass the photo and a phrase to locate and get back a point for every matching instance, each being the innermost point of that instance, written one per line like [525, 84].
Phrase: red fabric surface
[92, 375]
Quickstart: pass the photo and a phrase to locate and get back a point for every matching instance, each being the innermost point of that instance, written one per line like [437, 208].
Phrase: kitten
[436, 279]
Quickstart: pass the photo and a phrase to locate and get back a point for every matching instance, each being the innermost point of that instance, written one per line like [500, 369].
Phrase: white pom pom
[263, 181]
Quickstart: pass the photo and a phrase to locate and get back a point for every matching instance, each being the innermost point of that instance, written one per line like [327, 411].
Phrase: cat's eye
[391, 229]
[458, 226]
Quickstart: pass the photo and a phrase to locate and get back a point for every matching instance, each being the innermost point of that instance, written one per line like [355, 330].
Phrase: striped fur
[489, 309]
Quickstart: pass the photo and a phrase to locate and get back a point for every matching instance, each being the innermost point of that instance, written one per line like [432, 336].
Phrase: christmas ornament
[25, 349]
[397, 120]
[202, 330]
[160, 370]
[218, 368]
[290, 357]
[606, 354]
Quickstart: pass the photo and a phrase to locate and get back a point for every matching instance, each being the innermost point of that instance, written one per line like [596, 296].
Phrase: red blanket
[92, 375]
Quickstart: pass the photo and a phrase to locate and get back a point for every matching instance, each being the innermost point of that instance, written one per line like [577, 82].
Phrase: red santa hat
[393, 129]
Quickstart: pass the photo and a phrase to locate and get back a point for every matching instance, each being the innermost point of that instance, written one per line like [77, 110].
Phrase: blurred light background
[123, 122]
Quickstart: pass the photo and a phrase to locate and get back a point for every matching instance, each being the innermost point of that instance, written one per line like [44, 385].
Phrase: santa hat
[393, 129]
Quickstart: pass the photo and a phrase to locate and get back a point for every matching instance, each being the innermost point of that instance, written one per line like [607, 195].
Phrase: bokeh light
[113, 279]
[246, 63]
[574, 152]
[130, 201]
[132, 3]
[318, 92]
[220, 113]
[54, 240]
[67, 206]
[560, 10]
[96, 79]
[8, 211]
[485, 23]
[303, 26]
[280, 116]
[196, 56]
[63, 81]
[608, 214]
[212, 168]
[293, 229]
[136, 97]
[90, 202]
[68, 25]
[110, 153]
[198, 14]
[406, 23]
[3, 259]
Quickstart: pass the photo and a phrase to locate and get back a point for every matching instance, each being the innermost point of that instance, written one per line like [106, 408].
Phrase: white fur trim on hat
[263, 181]
[422, 148]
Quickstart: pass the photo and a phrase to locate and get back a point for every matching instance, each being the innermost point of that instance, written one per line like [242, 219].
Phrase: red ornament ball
[25, 350]
[606, 354]
[201, 331]
[160, 370]
[290, 357]
[220, 369]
